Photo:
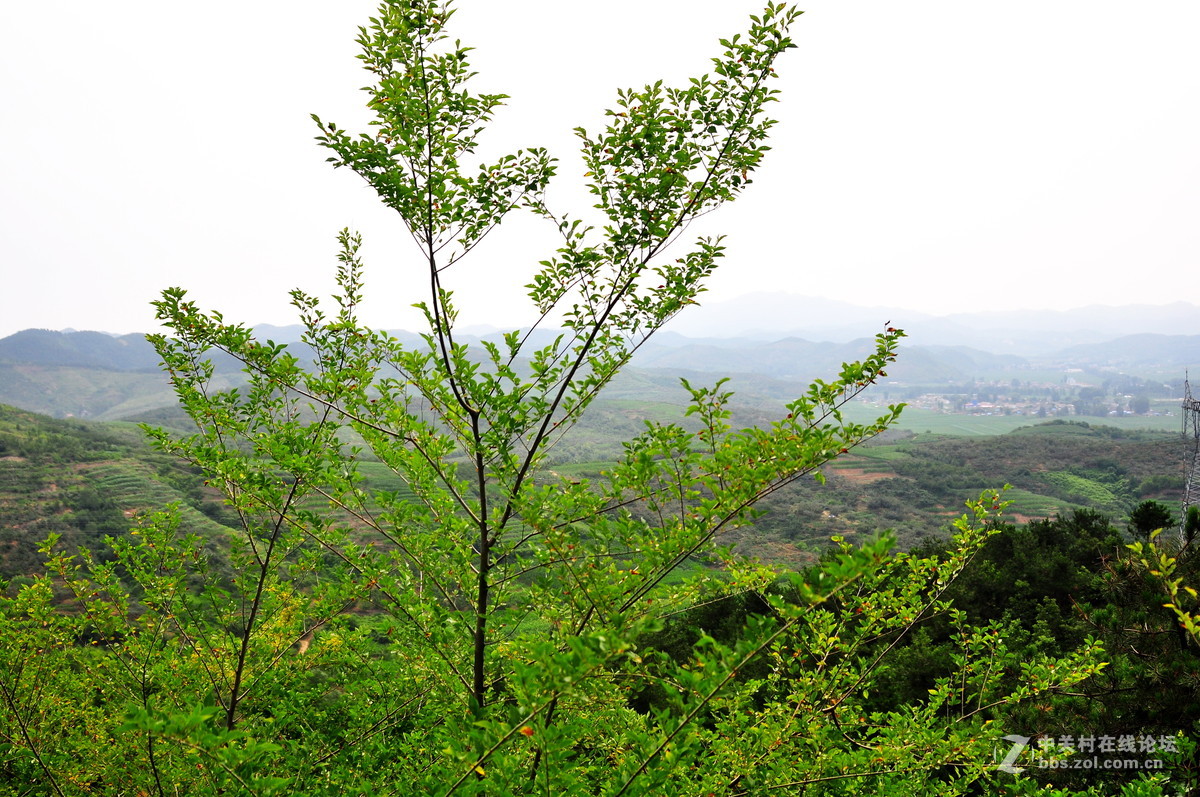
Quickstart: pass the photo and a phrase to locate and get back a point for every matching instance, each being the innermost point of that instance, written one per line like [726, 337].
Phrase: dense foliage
[487, 626]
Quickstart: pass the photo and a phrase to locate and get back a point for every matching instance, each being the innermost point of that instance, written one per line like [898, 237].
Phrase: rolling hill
[84, 480]
[102, 377]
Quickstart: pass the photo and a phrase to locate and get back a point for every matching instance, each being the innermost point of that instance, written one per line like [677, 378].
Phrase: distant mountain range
[79, 349]
[771, 316]
[97, 375]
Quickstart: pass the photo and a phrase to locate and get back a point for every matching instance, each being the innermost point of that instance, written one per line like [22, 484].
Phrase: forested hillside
[85, 481]
[915, 484]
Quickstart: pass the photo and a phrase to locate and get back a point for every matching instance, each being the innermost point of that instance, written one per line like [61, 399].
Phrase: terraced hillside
[915, 484]
[84, 482]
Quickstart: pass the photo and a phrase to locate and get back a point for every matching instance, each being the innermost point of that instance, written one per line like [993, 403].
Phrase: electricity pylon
[1191, 439]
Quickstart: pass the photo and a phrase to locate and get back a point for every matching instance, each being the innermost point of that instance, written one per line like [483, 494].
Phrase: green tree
[1048, 585]
[1149, 516]
[473, 627]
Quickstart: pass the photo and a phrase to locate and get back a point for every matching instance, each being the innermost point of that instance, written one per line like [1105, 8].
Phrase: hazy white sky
[938, 156]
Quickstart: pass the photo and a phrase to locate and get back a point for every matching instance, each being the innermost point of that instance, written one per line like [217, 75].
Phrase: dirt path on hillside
[859, 475]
